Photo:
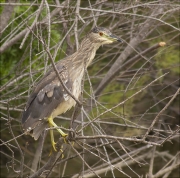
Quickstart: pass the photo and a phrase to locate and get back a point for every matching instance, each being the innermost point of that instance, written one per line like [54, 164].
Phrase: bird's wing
[46, 80]
[46, 97]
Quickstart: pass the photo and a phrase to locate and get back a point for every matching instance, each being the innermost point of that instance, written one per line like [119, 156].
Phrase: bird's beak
[114, 38]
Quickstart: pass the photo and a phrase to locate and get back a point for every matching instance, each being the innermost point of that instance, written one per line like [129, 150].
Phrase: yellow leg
[52, 124]
[52, 139]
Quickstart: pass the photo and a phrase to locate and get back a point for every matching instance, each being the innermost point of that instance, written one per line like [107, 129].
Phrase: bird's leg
[52, 123]
[52, 138]
[53, 142]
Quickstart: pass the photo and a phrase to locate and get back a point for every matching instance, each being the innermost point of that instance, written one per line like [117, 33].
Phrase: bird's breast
[69, 102]
[76, 89]
[63, 107]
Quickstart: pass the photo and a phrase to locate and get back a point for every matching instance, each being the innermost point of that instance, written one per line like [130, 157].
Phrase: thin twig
[157, 117]
[117, 138]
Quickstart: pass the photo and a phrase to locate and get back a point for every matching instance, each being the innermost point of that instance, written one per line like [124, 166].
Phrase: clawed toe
[54, 145]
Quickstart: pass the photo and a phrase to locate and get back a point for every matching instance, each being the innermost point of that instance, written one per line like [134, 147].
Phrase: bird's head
[103, 36]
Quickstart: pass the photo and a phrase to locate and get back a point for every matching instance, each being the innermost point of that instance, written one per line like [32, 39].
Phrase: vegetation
[128, 125]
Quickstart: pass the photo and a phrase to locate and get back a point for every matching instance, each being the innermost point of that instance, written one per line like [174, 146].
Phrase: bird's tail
[34, 127]
[38, 130]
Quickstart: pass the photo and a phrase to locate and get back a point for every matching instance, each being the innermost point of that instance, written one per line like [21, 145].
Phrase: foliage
[115, 120]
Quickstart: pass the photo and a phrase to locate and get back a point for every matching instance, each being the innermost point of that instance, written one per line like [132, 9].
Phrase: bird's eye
[100, 33]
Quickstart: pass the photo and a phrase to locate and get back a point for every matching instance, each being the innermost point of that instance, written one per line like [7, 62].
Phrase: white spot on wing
[66, 96]
[50, 93]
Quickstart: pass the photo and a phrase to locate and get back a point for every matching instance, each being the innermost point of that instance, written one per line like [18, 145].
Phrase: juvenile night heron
[49, 97]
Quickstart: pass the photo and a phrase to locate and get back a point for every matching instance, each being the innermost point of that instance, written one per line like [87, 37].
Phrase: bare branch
[6, 15]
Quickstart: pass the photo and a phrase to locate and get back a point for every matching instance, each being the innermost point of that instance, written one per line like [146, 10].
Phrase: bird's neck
[86, 52]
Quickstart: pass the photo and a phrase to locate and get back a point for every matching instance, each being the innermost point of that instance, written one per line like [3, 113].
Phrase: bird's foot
[54, 145]
[62, 156]
[65, 137]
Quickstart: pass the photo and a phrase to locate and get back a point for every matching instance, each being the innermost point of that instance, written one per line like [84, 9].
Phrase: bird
[49, 98]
